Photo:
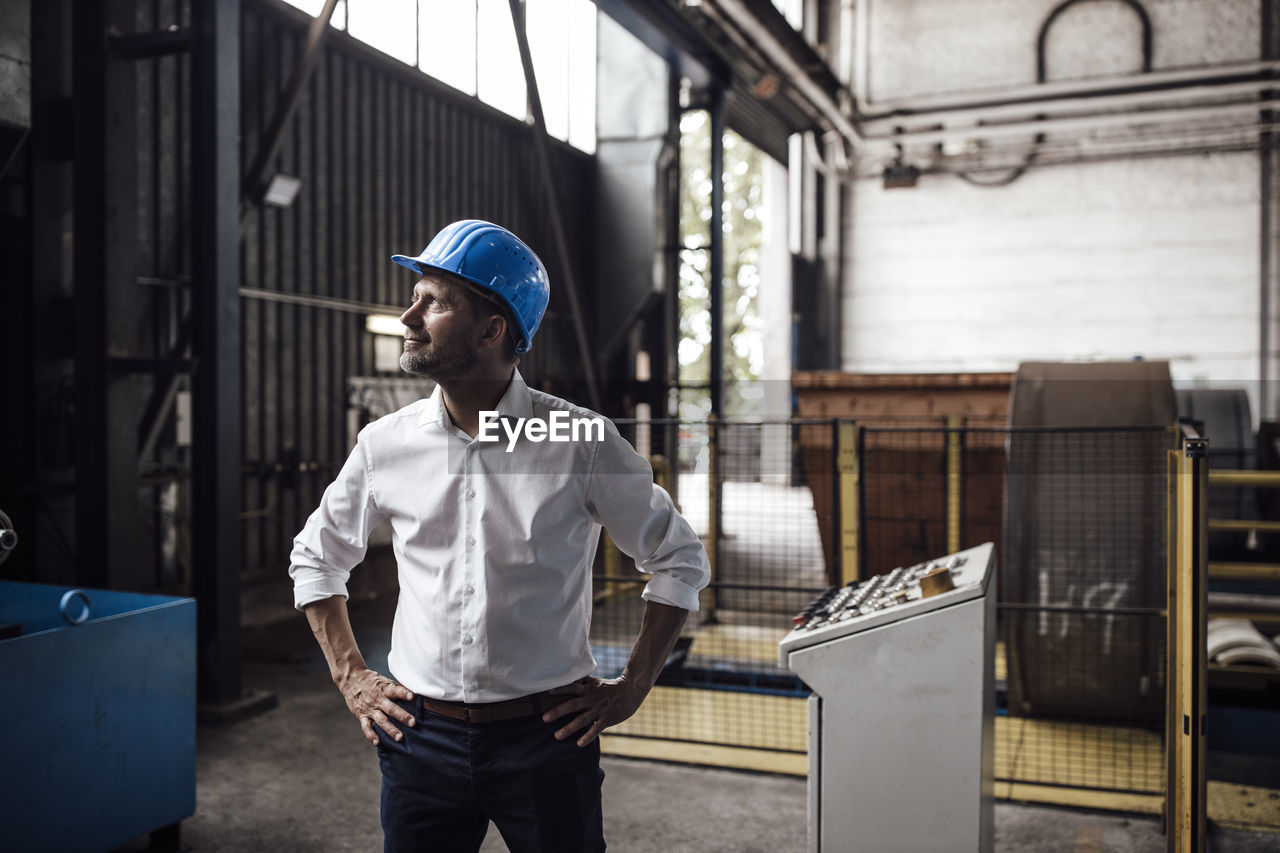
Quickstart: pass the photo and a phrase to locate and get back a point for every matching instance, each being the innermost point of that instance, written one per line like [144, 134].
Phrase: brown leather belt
[491, 712]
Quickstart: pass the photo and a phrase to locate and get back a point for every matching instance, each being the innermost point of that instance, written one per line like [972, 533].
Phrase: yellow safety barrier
[1244, 571]
[1255, 479]
[954, 482]
[1187, 677]
[848, 470]
[1244, 524]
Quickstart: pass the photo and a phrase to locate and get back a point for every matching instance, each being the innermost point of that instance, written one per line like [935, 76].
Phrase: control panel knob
[936, 582]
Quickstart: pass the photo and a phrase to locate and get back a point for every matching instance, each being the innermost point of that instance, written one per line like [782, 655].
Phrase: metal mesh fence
[728, 689]
[1078, 517]
[1082, 595]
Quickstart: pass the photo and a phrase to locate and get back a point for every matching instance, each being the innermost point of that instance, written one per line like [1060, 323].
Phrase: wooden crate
[910, 400]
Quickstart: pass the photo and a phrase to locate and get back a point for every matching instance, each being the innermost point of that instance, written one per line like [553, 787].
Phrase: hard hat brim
[406, 261]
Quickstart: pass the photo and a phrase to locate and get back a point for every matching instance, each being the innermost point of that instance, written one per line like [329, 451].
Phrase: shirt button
[469, 590]
[466, 641]
[471, 493]
[471, 540]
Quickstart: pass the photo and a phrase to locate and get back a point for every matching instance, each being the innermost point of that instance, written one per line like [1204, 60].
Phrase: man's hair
[482, 306]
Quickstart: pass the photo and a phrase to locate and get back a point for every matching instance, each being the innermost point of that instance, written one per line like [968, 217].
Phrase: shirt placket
[470, 562]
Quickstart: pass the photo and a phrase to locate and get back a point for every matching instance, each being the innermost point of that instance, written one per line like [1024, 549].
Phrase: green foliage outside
[743, 195]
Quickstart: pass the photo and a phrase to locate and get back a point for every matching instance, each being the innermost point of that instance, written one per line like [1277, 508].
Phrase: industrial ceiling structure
[140, 143]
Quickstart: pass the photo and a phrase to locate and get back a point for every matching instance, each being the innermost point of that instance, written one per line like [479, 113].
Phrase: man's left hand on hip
[598, 703]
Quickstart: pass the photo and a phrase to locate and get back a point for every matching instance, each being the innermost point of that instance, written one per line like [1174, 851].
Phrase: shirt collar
[517, 402]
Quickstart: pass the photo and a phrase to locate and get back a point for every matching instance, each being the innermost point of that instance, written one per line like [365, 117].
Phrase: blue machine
[97, 716]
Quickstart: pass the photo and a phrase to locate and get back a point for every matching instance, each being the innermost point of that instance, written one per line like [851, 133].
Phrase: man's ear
[494, 331]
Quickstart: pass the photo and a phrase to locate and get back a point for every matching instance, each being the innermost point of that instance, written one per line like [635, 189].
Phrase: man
[492, 713]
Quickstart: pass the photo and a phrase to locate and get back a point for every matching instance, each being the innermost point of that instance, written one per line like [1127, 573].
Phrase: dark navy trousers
[447, 779]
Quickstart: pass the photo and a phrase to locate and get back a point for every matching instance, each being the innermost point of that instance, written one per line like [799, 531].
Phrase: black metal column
[553, 208]
[102, 320]
[1266, 171]
[216, 403]
[716, 284]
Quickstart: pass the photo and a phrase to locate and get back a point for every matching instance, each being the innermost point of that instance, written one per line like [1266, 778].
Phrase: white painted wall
[1156, 258]
[928, 47]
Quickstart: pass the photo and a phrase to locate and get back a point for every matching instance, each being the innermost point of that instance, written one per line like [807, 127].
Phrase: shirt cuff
[664, 589]
[313, 591]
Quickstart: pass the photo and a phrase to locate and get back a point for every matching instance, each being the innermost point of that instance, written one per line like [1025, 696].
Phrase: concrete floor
[302, 778]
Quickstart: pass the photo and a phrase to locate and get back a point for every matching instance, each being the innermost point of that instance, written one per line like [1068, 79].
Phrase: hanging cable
[1042, 40]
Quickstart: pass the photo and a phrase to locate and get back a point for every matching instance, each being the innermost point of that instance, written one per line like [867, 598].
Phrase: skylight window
[471, 46]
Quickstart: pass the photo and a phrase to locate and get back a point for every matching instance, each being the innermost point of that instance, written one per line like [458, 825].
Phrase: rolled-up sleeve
[336, 536]
[644, 523]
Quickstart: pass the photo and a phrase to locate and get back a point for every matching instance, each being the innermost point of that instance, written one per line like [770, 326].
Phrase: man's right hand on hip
[369, 696]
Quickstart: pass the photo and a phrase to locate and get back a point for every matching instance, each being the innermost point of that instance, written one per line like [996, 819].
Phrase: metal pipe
[1031, 93]
[745, 44]
[1001, 155]
[1048, 98]
[1041, 98]
[1244, 571]
[1236, 477]
[1031, 128]
[796, 76]
[353, 306]
[1042, 39]
[1226, 601]
[1243, 525]
[1251, 89]
[1048, 156]
[158, 411]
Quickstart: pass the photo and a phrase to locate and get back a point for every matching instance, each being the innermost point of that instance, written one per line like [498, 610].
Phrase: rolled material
[1236, 641]
[1085, 490]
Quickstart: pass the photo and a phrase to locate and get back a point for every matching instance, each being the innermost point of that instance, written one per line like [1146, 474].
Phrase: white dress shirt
[494, 548]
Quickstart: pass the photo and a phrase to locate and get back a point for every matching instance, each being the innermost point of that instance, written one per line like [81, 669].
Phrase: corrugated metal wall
[387, 156]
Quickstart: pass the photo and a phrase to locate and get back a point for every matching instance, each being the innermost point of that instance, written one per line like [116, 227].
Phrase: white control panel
[901, 719]
[885, 598]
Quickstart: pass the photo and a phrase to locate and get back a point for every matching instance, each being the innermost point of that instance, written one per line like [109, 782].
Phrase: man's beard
[440, 361]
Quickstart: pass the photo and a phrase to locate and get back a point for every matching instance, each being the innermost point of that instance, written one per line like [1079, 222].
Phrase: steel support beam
[150, 45]
[255, 182]
[1266, 191]
[104, 177]
[667, 33]
[716, 285]
[215, 264]
[553, 203]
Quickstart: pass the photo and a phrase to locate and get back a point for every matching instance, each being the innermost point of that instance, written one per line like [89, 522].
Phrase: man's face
[441, 330]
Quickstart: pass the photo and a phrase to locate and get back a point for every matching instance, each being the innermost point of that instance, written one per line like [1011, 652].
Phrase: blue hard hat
[494, 260]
